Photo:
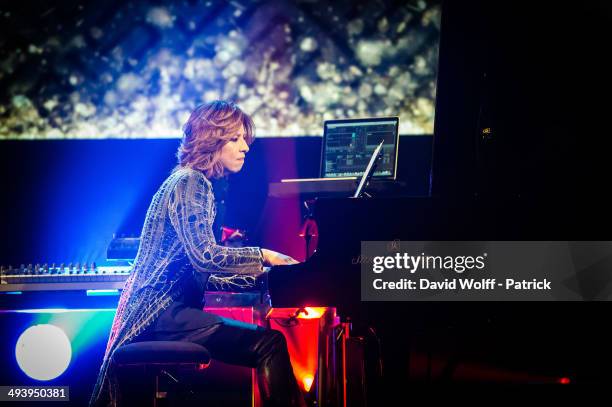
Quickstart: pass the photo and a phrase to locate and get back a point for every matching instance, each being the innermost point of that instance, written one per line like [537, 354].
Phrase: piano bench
[161, 362]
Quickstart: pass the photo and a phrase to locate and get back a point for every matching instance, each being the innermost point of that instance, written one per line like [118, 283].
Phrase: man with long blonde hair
[162, 297]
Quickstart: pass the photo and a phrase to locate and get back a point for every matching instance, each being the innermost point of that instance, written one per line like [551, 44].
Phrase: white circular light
[43, 352]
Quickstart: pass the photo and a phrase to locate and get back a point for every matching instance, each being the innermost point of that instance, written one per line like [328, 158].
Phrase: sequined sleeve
[191, 214]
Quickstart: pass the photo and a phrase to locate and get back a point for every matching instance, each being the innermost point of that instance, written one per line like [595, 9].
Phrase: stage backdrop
[100, 69]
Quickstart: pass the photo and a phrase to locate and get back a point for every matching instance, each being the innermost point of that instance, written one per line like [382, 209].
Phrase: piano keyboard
[71, 277]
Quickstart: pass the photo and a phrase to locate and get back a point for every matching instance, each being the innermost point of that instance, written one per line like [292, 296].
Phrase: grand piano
[331, 275]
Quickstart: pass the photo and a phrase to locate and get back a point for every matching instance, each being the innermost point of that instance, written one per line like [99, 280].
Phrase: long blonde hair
[209, 127]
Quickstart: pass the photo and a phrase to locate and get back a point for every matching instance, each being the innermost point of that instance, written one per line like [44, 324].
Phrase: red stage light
[312, 312]
[564, 380]
[307, 382]
[308, 332]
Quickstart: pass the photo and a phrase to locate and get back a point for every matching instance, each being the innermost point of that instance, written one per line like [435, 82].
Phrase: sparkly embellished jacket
[176, 241]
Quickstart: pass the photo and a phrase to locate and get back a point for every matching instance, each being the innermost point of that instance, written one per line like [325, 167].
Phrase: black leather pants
[249, 345]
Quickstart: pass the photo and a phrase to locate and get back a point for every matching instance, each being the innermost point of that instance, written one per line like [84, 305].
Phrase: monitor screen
[349, 144]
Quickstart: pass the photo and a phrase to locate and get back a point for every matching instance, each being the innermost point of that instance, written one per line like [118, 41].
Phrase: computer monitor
[348, 145]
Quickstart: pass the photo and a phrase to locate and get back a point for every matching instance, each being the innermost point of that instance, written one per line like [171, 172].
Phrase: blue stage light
[43, 352]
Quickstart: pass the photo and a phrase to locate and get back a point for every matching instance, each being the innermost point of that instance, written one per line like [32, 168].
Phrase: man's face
[234, 151]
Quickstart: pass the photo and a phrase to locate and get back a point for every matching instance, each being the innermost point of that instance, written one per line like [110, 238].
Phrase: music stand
[365, 178]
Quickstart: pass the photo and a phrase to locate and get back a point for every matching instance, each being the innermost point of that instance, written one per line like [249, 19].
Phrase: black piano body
[331, 277]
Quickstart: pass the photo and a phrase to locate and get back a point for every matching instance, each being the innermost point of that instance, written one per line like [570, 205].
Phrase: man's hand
[272, 258]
